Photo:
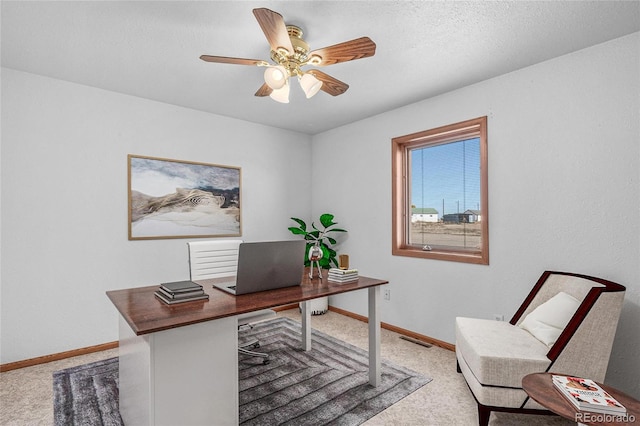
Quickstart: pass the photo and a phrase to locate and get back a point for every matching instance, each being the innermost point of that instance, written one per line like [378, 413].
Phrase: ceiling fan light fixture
[276, 77]
[290, 52]
[281, 95]
[310, 84]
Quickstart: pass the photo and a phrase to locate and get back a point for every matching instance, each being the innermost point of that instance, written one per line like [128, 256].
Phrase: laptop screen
[269, 265]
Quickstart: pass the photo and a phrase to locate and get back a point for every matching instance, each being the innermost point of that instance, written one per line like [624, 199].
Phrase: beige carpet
[26, 395]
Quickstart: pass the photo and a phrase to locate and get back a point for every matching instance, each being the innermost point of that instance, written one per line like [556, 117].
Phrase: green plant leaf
[297, 231]
[327, 220]
[302, 223]
[337, 230]
[331, 240]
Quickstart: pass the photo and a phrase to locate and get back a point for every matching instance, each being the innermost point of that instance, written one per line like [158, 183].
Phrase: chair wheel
[256, 345]
[265, 362]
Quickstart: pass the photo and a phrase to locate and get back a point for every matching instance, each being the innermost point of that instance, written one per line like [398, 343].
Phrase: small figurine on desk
[315, 254]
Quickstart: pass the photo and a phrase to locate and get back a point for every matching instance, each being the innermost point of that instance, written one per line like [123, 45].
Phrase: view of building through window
[445, 195]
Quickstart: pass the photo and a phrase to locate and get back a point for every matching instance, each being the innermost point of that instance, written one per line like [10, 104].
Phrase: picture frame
[182, 199]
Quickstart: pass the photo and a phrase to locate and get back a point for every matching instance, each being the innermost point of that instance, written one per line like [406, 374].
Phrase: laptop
[266, 266]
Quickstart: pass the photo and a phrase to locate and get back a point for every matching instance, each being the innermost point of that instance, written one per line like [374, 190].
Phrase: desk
[540, 387]
[179, 363]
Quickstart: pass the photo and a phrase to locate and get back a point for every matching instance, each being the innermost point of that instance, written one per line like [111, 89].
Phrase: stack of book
[180, 291]
[342, 275]
[586, 395]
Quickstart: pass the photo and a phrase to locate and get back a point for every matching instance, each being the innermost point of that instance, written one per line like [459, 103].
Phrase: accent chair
[566, 325]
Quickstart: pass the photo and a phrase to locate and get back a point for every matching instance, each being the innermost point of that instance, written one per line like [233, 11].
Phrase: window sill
[470, 256]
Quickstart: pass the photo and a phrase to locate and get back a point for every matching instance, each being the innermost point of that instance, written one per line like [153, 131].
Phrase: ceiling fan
[290, 53]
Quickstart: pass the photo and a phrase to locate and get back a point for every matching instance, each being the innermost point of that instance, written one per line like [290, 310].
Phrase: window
[439, 190]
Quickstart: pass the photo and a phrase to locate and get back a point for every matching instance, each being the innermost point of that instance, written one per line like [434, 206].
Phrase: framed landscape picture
[181, 199]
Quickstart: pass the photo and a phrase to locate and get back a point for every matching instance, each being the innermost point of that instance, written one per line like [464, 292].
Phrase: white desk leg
[306, 325]
[374, 336]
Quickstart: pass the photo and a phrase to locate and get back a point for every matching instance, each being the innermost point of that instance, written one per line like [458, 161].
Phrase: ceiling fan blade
[359, 48]
[274, 29]
[264, 90]
[331, 85]
[227, 60]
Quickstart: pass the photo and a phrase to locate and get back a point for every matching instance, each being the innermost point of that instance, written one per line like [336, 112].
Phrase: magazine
[587, 395]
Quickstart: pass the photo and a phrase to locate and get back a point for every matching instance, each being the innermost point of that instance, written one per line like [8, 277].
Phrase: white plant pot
[318, 306]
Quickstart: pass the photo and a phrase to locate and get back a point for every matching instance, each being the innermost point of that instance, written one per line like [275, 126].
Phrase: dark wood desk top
[146, 314]
[540, 387]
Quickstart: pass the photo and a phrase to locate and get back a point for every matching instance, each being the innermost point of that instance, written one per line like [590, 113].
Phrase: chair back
[584, 346]
[213, 258]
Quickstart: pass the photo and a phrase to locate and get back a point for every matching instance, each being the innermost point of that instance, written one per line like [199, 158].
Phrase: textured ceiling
[150, 49]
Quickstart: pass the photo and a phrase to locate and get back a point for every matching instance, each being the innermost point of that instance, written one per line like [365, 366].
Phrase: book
[331, 274]
[342, 281]
[342, 275]
[180, 286]
[181, 295]
[587, 395]
[338, 271]
[168, 301]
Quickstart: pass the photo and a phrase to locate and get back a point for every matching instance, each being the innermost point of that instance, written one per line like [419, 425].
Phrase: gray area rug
[327, 385]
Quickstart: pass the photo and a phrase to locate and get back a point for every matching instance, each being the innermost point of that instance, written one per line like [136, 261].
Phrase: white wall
[564, 142]
[64, 202]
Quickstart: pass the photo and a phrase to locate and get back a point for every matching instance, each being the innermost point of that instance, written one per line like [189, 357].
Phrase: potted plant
[319, 248]
[317, 237]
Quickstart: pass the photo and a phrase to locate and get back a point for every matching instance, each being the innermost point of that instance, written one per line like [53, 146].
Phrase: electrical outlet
[498, 317]
[387, 294]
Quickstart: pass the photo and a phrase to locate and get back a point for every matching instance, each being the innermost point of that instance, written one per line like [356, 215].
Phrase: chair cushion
[498, 353]
[496, 396]
[547, 321]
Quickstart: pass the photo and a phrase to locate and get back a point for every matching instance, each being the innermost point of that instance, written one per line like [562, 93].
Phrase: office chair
[219, 258]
